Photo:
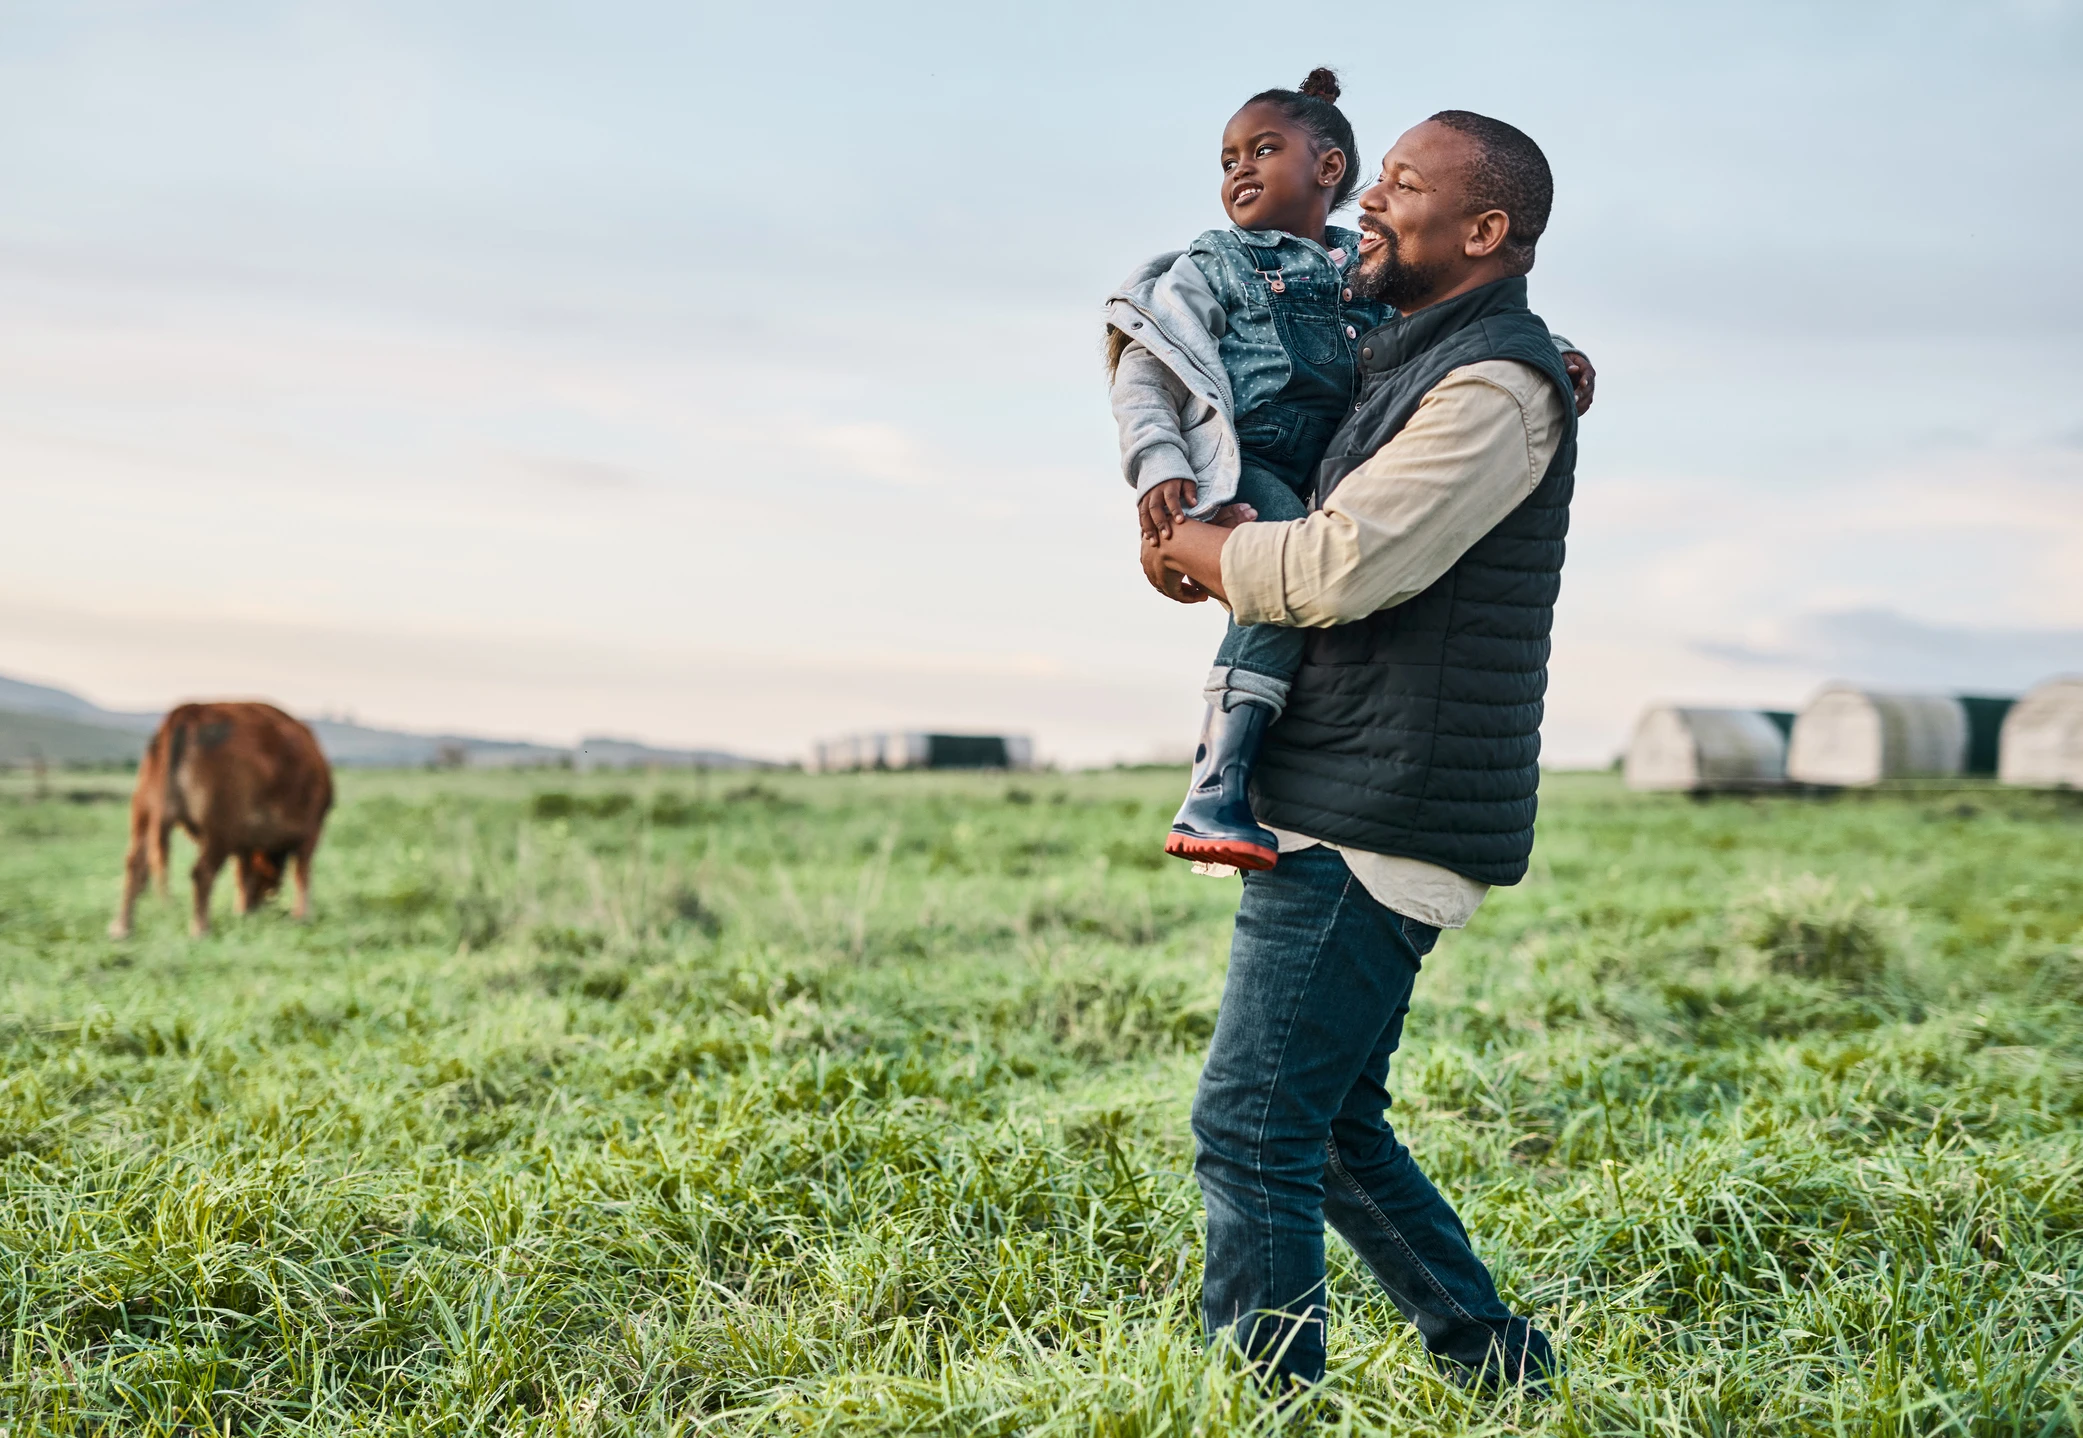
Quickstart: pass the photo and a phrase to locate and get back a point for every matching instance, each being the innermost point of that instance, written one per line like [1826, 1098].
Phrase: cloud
[575, 473]
[553, 687]
[452, 358]
[1961, 572]
[1882, 646]
[1991, 539]
[878, 451]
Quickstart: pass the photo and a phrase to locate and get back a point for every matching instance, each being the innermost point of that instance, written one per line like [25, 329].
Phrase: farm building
[1694, 749]
[1853, 736]
[2043, 737]
[923, 751]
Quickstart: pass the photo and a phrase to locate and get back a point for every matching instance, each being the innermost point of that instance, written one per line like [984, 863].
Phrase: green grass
[849, 1105]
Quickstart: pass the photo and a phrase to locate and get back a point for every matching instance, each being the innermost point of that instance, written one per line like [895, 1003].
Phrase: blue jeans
[1281, 446]
[1289, 1130]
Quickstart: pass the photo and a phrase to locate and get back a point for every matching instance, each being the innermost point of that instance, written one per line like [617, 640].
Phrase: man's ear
[1330, 168]
[1486, 234]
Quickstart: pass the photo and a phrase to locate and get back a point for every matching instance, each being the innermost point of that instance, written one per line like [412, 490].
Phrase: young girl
[1232, 365]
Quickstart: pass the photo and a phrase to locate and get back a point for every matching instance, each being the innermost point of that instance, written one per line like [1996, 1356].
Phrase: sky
[730, 375]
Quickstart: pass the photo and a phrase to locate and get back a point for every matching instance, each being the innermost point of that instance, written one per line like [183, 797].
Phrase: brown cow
[248, 783]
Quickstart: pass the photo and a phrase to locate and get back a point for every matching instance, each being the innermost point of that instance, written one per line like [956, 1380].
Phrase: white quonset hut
[1693, 749]
[1853, 736]
[2043, 737]
[922, 751]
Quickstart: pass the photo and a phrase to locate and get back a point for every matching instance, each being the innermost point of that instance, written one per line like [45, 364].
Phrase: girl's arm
[1148, 401]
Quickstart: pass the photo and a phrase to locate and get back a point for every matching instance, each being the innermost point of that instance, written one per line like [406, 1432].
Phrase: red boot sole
[1221, 851]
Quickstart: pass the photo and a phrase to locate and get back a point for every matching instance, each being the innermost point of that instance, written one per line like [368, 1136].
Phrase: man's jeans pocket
[1418, 934]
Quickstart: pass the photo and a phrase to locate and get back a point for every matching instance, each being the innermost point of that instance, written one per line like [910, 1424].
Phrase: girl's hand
[1165, 505]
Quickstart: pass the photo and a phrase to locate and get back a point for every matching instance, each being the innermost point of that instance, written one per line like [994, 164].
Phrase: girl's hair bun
[1314, 108]
[1321, 84]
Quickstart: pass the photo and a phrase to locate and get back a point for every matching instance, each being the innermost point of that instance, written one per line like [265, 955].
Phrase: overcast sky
[730, 374]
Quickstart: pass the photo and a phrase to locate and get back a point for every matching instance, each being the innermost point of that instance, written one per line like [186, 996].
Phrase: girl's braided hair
[1315, 108]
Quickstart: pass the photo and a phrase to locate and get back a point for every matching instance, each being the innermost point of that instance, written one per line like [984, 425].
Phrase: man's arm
[1474, 450]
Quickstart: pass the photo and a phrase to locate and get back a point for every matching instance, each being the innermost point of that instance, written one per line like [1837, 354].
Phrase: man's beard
[1384, 276]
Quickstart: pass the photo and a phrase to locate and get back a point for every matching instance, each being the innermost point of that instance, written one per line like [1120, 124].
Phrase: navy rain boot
[1215, 824]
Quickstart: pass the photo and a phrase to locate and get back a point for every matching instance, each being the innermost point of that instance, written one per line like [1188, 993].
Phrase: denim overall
[1289, 354]
[1282, 439]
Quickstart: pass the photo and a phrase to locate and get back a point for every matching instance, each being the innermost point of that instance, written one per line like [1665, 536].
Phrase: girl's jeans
[1289, 1130]
[1281, 446]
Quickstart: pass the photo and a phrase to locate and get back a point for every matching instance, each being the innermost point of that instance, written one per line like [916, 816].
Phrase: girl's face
[1272, 176]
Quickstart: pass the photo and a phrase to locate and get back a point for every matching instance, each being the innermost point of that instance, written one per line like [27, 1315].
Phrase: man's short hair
[1511, 174]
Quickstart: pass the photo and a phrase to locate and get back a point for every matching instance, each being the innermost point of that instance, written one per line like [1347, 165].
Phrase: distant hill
[353, 746]
[59, 727]
[26, 739]
[18, 696]
[597, 751]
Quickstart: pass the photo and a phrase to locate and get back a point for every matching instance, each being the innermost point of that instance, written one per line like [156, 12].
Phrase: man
[1401, 780]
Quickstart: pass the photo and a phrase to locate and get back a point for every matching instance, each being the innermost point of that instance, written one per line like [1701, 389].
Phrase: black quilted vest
[1416, 731]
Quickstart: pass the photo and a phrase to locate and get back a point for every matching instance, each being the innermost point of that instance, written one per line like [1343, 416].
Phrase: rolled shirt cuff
[1252, 577]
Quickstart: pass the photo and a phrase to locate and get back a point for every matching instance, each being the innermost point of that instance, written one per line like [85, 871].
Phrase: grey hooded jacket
[1170, 394]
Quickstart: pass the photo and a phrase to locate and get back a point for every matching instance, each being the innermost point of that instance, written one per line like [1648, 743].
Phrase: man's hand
[1167, 581]
[1164, 505]
[1581, 376]
[1187, 564]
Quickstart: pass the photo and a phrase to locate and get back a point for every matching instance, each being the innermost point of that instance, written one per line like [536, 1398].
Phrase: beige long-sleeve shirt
[1477, 446]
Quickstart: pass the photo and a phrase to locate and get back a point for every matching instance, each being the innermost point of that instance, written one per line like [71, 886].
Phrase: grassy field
[858, 1104]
